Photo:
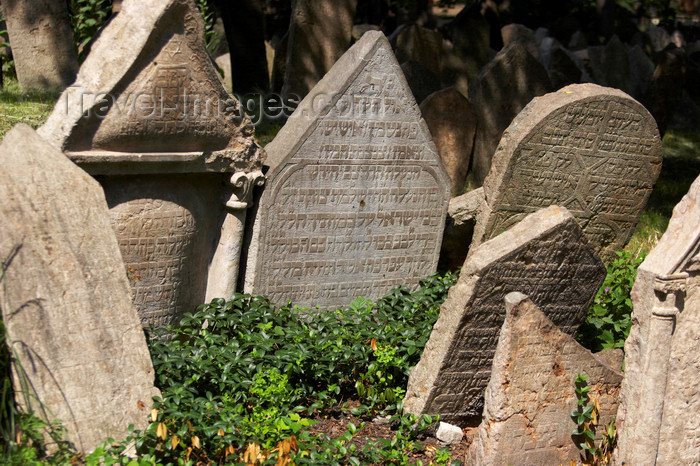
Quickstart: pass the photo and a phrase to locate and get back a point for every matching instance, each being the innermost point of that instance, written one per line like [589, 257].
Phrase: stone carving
[658, 415]
[356, 196]
[163, 136]
[530, 397]
[65, 298]
[503, 88]
[593, 150]
[548, 257]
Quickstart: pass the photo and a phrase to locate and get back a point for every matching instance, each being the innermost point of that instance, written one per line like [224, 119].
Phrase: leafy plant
[211, 37]
[88, 16]
[608, 320]
[586, 419]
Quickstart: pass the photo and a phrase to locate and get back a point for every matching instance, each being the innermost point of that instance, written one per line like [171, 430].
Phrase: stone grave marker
[593, 150]
[423, 45]
[459, 229]
[610, 65]
[503, 88]
[167, 142]
[42, 43]
[530, 397]
[420, 79]
[523, 34]
[356, 196]
[659, 420]
[548, 257]
[452, 124]
[65, 301]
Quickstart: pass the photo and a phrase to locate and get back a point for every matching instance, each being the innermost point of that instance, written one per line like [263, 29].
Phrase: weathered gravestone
[42, 43]
[423, 45]
[503, 88]
[531, 394]
[79, 352]
[593, 150]
[659, 415]
[452, 124]
[420, 79]
[319, 33]
[522, 34]
[548, 257]
[459, 229]
[159, 131]
[356, 196]
[610, 65]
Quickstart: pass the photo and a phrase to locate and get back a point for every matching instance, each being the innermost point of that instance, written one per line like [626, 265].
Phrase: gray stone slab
[459, 229]
[548, 257]
[594, 150]
[65, 299]
[659, 415]
[531, 394]
[423, 45]
[165, 139]
[356, 197]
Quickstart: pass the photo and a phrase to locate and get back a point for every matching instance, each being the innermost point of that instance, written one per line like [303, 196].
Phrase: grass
[18, 107]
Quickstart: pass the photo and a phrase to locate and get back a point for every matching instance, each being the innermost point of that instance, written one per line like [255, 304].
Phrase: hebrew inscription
[546, 256]
[593, 150]
[358, 207]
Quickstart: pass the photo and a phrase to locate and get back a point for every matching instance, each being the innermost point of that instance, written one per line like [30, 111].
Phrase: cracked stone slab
[531, 394]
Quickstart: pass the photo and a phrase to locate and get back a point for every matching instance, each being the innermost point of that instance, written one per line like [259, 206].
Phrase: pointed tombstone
[548, 257]
[659, 415]
[531, 395]
[594, 150]
[80, 354]
[168, 144]
[42, 43]
[356, 196]
[420, 44]
[503, 88]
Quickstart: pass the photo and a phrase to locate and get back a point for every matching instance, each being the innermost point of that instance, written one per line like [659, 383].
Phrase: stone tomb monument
[659, 415]
[79, 352]
[546, 256]
[356, 197]
[530, 397]
[166, 141]
[591, 149]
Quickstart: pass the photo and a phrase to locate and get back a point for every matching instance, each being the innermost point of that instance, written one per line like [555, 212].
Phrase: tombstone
[531, 395]
[452, 124]
[658, 415]
[578, 41]
[666, 88]
[469, 33]
[224, 64]
[356, 197]
[42, 43]
[160, 133]
[503, 88]
[279, 65]
[459, 229]
[659, 38]
[79, 354]
[420, 79]
[591, 149]
[420, 44]
[610, 64]
[319, 33]
[522, 34]
[641, 71]
[546, 256]
[564, 68]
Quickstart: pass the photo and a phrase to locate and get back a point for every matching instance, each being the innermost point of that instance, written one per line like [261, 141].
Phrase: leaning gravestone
[356, 196]
[593, 150]
[659, 415]
[159, 131]
[548, 257]
[79, 354]
[530, 397]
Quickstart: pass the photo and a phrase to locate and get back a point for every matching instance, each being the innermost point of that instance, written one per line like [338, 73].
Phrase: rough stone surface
[522, 34]
[65, 298]
[593, 150]
[420, 44]
[160, 132]
[319, 34]
[459, 228]
[659, 415]
[42, 43]
[449, 434]
[548, 257]
[530, 397]
[610, 65]
[452, 124]
[356, 195]
[224, 63]
[469, 33]
[503, 88]
[420, 79]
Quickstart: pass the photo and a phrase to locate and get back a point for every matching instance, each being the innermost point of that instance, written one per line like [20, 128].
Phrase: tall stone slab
[546, 256]
[356, 197]
[171, 148]
[531, 395]
[81, 355]
[594, 150]
[659, 415]
[319, 34]
[42, 43]
[503, 88]
[423, 45]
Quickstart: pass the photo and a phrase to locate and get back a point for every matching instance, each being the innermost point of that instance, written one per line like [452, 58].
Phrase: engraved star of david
[174, 47]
